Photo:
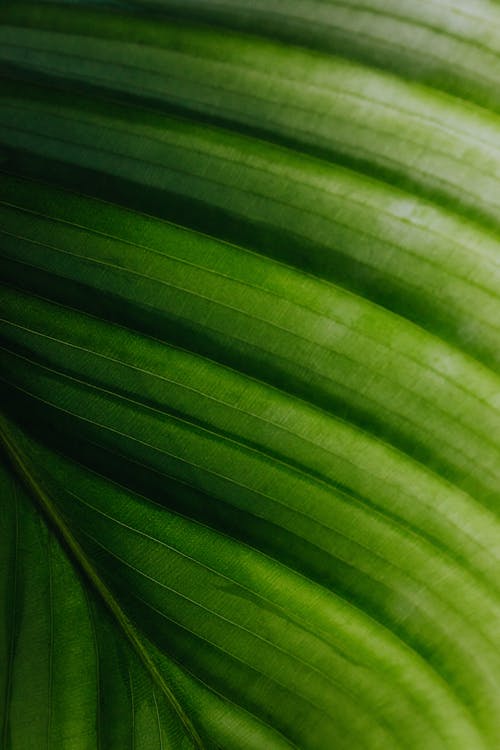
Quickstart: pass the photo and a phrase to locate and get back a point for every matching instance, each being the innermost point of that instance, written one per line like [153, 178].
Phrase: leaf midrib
[77, 555]
[275, 500]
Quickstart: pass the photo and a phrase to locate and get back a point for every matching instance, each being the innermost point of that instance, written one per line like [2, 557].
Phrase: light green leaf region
[249, 333]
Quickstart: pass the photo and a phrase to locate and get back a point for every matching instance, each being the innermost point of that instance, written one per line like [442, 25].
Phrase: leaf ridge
[262, 169]
[486, 470]
[50, 511]
[339, 491]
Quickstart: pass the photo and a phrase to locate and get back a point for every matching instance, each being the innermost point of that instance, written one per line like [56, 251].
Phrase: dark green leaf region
[250, 358]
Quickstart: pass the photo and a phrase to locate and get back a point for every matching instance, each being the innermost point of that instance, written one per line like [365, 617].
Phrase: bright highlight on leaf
[250, 310]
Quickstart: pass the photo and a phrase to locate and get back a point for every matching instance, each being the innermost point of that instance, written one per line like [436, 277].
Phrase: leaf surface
[249, 331]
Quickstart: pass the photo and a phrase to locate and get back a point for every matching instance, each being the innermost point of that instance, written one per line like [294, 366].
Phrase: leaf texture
[250, 351]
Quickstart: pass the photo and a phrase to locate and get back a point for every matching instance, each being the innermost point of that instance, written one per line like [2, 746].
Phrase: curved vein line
[393, 448]
[272, 500]
[424, 260]
[329, 315]
[258, 255]
[52, 514]
[280, 77]
[293, 657]
[193, 427]
[388, 632]
[399, 416]
[203, 565]
[380, 41]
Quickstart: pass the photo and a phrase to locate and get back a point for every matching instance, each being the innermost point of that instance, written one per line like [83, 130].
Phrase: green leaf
[250, 352]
